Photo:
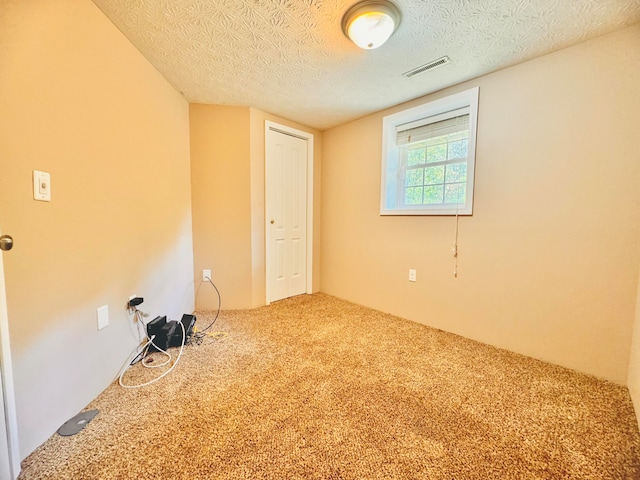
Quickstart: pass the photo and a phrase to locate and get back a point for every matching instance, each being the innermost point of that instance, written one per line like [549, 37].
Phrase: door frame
[308, 137]
[6, 383]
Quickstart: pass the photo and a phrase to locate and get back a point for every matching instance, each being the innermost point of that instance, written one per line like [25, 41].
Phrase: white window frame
[390, 181]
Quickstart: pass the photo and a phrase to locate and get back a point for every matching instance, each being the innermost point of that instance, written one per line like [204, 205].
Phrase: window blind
[430, 127]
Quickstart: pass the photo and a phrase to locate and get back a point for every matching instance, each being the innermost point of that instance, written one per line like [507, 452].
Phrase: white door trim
[8, 392]
[276, 127]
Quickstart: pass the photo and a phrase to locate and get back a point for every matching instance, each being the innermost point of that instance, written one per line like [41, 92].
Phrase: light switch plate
[41, 186]
[103, 316]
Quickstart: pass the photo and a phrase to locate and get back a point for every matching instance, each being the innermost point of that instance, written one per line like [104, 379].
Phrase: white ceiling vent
[427, 66]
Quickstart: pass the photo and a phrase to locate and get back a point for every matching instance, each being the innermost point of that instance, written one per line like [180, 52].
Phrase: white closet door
[286, 193]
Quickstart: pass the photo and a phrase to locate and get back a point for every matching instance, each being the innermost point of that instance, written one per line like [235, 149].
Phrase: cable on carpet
[144, 350]
[140, 353]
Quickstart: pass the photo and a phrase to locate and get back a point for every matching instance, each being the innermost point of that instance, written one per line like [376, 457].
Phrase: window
[428, 157]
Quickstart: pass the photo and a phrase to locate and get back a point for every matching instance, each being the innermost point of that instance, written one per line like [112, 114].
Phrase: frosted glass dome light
[370, 23]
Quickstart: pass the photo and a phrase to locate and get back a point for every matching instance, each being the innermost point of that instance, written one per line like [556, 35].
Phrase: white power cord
[454, 251]
[147, 364]
[146, 346]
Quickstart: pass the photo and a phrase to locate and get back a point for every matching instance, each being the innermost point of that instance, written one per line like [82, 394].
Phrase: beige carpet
[317, 388]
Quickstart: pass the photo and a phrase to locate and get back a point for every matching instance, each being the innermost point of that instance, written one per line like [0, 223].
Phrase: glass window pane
[455, 193]
[414, 177]
[434, 175]
[456, 172]
[458, 149]
[413, 196]
[416, 156]
[433, 194]
[437, 153]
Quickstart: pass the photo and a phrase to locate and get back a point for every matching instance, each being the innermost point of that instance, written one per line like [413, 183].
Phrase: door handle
[272, 222]
[6, 243]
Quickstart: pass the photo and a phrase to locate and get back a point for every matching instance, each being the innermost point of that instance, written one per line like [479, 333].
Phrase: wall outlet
[206, 275]
[412, 275]
[103, 316]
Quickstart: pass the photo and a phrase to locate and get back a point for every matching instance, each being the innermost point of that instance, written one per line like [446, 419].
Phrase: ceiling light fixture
[370, 23]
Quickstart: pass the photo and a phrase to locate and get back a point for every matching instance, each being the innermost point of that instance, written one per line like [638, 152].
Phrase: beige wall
[221, 204]
[79, 101]
[548, 263]
[227, 170]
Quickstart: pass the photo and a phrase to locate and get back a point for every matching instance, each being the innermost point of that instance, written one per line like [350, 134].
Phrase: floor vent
[427, 66]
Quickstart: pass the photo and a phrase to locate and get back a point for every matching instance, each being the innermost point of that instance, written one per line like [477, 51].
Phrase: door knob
[272, 222]
[6, 243]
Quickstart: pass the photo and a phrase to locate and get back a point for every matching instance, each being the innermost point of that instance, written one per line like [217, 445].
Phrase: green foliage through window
[435, 170]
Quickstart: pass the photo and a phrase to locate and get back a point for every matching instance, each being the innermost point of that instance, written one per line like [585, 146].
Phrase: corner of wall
[221, 204]
[633, 379]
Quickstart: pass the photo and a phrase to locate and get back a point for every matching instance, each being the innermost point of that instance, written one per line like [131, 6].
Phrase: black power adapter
[168, 334]
[134, 302]
[188, 321]
[155, 325]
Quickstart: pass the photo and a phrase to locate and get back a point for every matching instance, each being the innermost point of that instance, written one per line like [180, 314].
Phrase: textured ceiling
[290, 57]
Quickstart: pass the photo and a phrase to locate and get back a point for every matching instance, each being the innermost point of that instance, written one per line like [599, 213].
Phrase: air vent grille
[427, 66]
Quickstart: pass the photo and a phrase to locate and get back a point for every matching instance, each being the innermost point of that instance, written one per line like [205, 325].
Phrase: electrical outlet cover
[103, 316]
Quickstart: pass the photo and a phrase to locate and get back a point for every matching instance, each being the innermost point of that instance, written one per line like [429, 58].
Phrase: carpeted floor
[314, 387]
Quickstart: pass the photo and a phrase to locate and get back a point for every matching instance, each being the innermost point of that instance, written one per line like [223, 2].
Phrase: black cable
[137, 314]
[217, 313]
